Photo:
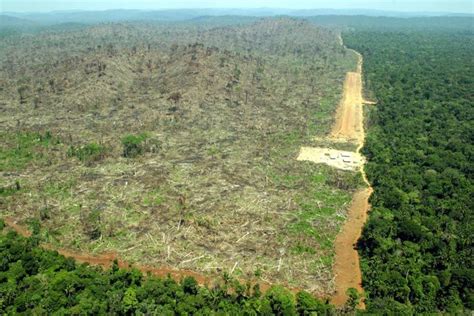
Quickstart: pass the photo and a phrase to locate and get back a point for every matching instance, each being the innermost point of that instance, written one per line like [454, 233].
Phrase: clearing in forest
[349, 117]
[341, 159]
[173, 145]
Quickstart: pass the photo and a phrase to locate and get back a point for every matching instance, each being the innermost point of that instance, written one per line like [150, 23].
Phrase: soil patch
[340, 159]
[349, 116]
[346, 264]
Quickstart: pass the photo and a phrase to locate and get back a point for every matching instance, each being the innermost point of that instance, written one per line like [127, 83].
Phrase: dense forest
[417, 247]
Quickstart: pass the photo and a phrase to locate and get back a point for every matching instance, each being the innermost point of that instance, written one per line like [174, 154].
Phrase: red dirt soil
[349, 117]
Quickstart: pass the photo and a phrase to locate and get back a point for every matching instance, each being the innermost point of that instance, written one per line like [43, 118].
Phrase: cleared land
[174, 146]
[349, 116]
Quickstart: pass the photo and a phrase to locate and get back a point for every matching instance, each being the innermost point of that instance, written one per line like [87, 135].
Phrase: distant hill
[10, 25]
[92, 17]
[11, 21]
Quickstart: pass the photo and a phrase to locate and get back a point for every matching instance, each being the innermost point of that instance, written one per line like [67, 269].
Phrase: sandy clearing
[345, 160]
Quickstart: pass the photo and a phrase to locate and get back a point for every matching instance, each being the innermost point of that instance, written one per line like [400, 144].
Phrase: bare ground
[349, 116]
[340, 159]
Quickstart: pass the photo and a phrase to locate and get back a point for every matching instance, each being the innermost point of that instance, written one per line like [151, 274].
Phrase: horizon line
[239, 8]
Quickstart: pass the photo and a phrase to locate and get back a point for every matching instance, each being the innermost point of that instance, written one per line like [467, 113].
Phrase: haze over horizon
[457, 6]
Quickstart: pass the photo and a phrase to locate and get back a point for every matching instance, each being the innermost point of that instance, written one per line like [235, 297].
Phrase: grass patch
[22, 148]
[133, 145]
[299, 249]
[87, 153]
[154, 198]
[59, 189]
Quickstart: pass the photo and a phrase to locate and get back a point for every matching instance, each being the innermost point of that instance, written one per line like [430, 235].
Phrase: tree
[22, 91]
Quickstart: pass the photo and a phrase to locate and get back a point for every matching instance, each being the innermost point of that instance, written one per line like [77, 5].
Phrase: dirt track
[350, 126]
[349, 120]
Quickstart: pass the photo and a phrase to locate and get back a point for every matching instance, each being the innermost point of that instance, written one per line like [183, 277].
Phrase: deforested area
[236, 161]
[175, 144]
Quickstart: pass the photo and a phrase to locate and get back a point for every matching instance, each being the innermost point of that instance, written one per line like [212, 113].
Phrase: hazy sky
[466, 6]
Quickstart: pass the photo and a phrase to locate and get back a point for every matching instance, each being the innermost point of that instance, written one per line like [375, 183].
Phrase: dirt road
[350, 126]
[349, 119]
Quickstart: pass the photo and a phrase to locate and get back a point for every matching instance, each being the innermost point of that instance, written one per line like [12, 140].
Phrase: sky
[458, 6]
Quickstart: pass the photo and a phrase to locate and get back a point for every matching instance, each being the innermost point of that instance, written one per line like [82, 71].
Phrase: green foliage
[21, 148]
[353, 298]
[281, 301]
[10, 189]
[306, 304]
[133, 145]
[87, 153]
[38, 281]
[417, 244]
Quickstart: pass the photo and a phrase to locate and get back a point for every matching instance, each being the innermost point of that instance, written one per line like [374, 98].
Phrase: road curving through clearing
[350, 126]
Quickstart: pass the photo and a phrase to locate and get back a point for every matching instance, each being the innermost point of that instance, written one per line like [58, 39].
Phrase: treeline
[395, 24]
[42, 282]
[417, 246]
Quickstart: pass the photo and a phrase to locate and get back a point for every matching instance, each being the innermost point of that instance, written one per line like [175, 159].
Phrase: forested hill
[396, 24]
[417, 247]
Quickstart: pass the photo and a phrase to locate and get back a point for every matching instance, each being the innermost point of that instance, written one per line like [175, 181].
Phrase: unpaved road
[350, 126]
[349, 118]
